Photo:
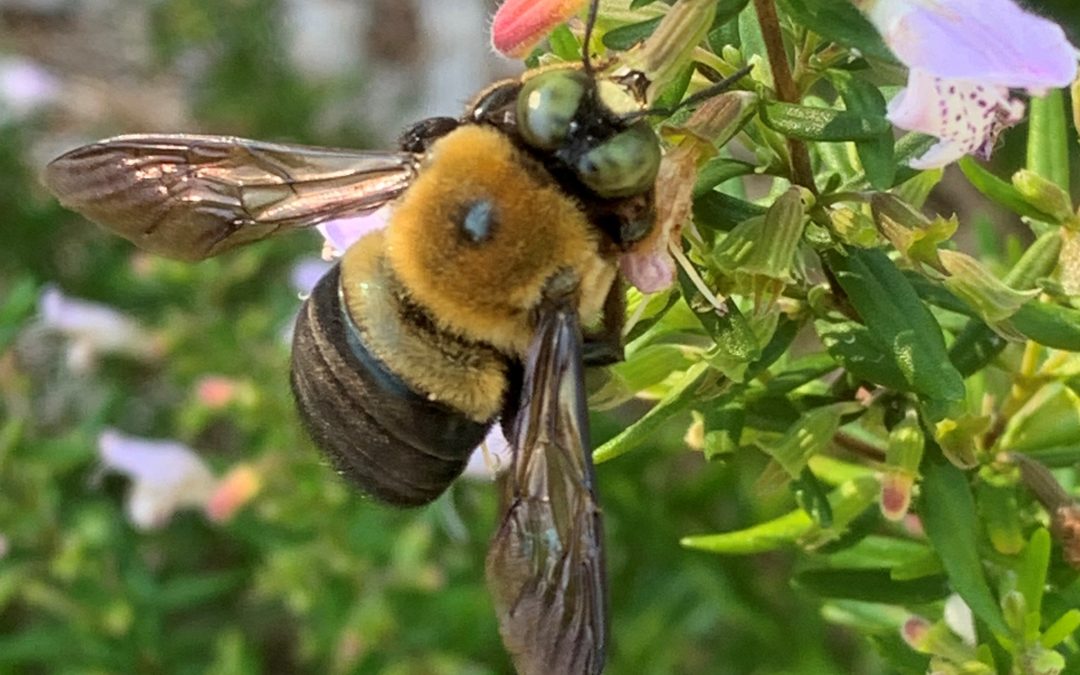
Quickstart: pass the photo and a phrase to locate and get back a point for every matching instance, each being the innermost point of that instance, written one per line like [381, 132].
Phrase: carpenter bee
[467, 309]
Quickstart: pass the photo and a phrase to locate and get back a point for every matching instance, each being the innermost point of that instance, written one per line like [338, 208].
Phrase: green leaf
[901, 324]
[948, 513]
[877, 156]
[717, 171]
[624, 37]
[1049, 324]
[1048, 138]
[821, 124]
[720, 212]
[564, 44]
[872, 586]
[1031, 577]
[809, 435]
[838, 21]
[723, 428]
[1061, 629]
[999, 191]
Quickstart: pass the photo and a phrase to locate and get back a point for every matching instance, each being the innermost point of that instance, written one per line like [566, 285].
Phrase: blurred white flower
[964, 56]
[341, 233]
[93, 329]
[960, 620]
[25, 86]
[491, 458]
[168, 476]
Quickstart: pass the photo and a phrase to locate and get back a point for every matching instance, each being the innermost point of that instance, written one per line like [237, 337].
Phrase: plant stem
[786, 91]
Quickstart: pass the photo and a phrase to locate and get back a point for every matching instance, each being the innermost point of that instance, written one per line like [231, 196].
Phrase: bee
[464, 312]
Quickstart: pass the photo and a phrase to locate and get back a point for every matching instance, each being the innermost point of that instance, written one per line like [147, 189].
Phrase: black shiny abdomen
[394, 443]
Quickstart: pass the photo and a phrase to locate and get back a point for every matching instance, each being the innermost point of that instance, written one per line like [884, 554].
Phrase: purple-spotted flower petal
[166, 476]
[491, 458]
[341, 233]
[93, 329]
[964, 56]
[966, 117]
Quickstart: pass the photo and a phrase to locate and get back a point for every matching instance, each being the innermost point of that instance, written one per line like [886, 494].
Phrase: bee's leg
[604, 346]
[419, 137]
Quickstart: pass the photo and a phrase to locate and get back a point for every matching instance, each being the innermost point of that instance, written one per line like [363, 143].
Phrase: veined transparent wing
[545, 567]
[191, 197]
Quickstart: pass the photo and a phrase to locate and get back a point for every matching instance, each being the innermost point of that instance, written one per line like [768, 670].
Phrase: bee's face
[560, 112]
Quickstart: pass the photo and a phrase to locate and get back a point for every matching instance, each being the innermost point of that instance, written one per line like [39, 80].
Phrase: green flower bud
[1043, 195]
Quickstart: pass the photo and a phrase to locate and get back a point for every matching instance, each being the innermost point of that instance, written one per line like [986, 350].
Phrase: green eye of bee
[546, 106]
[623, 165]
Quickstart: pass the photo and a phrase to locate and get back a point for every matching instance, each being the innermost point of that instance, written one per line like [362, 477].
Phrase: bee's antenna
[702, 95]
[590, 22]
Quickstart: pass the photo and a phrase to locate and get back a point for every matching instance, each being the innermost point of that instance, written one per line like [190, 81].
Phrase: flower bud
[1043, 195]
[667, 51]
[988, 295]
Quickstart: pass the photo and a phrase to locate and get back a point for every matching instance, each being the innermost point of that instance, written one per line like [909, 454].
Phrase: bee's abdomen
[393, 442]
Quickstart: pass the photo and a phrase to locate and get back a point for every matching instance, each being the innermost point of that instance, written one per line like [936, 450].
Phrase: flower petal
[491, 458]
[967, 117]
[519, 24]
[991, 41]
[306, 272]
[341, 233]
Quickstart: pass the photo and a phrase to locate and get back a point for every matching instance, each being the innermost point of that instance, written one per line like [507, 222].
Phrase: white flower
[491, 458]
[960, 620]
[166, 476]
[93, 329]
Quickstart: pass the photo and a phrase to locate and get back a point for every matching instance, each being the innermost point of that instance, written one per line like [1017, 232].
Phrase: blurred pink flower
[491, 458]
[25, 86]
[93, 329]
[916, 632]
[964, 56]
[650, 269]
[896, 487]
[216, 391]
[233, 491]
[168, 476]
[519, 25]
[341, 233]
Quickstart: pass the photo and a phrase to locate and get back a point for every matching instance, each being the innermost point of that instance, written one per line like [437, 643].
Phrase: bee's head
[565, 114]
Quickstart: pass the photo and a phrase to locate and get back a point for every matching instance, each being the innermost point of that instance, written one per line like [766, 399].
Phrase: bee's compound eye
[624, 165]
[546, 106]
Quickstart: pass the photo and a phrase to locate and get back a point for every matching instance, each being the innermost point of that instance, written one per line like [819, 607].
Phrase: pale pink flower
[519, 25]
[964, 56]
[94, 329]
[341, 233]
[166, 476]
[307, 272]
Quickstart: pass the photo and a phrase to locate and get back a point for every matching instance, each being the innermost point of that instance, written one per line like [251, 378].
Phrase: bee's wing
[192, 197]
[545, 568]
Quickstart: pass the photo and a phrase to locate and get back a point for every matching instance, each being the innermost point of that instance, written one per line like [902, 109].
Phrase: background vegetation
[309, 576]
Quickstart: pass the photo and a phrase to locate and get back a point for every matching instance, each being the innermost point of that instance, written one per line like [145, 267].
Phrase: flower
[25, 87]
[216, 391]
[519, 25]
[168, 476]
[341, 233]
[491, 458]
[93, 329]
[964, 56]
[307, 272]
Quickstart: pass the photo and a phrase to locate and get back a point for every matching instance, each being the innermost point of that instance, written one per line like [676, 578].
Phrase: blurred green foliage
[311, 577]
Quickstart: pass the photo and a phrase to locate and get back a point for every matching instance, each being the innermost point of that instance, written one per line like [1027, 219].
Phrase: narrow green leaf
[821, 124]
[717, 171]
[1048, 139]
[1049, 324]
[872, 586]
[564, 44]
[625, 37]
[720, 212]
[902, 324]
[1061, 629]
[1031, 577]
[838, 21]
[877, 155]
[999, 191]
[948, 513]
